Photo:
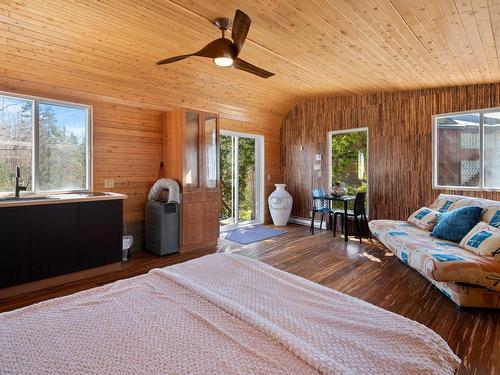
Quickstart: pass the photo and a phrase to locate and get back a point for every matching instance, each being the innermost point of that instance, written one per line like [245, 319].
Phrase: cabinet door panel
[12, 240]
[211, 152]
[192, 151]
[37, 242]
[101, 233]
[200, 222]
[52, 233]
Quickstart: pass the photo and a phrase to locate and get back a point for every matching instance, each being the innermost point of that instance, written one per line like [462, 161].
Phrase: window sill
[465, 188]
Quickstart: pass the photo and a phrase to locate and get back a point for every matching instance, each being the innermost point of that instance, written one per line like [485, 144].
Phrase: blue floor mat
[253, 234]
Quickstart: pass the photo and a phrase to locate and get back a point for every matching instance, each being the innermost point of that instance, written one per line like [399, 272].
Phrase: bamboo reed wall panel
[343, 47]
[400, 143]
[127, 147]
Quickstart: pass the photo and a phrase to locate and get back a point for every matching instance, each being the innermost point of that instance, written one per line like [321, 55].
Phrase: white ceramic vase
[280, 205]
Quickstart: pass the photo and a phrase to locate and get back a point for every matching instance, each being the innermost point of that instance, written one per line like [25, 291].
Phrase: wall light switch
[108, 184]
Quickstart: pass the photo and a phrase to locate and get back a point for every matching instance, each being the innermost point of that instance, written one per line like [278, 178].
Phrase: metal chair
[319, 205]
[358, 213]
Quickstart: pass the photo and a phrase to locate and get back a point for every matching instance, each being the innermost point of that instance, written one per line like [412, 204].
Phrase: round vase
[280, 205]
[338, 190]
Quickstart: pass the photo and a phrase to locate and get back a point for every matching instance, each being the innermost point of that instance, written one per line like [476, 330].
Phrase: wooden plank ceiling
[108, 49]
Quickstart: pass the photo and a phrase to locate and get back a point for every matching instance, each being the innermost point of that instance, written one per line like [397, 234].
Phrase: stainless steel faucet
[18, 179]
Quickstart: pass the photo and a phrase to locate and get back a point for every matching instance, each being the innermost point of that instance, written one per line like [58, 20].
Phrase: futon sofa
[468, 279]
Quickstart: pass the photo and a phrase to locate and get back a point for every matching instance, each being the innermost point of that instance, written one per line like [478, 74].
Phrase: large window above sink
[50, 142]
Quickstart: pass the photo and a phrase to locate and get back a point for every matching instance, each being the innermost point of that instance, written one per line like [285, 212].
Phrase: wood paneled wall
[272, 173]
[127, 148]
[127, 145]
[400, 143]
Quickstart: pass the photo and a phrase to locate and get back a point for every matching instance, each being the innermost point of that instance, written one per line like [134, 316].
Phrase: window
[467, 150]
[48, 140]
[16, 140]
[349, 159]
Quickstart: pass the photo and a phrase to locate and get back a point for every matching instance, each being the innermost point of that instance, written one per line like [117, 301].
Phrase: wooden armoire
[191, 157]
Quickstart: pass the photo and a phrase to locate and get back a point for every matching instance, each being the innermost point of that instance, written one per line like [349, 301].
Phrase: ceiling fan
[223, 51]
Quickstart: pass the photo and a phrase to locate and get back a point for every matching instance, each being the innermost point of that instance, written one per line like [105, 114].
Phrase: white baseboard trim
[306, 222]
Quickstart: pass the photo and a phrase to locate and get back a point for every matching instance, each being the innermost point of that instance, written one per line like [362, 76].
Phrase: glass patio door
[348, 160]
[241, 179]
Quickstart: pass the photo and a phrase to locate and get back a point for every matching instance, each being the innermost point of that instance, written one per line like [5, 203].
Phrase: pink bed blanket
[219, 314]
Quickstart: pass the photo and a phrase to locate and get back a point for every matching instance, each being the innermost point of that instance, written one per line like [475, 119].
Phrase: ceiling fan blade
[241, 25]
[216, 48]
[173, 59]
[247, 67]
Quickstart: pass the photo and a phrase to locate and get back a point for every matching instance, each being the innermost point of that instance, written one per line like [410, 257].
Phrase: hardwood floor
[366, 271]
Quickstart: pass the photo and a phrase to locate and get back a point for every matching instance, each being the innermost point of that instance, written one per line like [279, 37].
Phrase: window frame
[35, 162]
[482, 112]
[329, 135]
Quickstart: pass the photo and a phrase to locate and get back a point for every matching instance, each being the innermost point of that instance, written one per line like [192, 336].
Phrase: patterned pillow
[424, 218]
[448, 202]
[491, 216]
[454, 225]
[483, 239]
[442, 204]
[465, 202]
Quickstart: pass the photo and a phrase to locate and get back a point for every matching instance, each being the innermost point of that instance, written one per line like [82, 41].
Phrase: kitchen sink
[28, 198]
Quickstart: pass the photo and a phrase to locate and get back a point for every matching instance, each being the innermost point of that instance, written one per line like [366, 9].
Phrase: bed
[219, 314]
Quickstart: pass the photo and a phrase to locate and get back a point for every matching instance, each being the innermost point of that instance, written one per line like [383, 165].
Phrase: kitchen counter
[46, 236]
[45, 199]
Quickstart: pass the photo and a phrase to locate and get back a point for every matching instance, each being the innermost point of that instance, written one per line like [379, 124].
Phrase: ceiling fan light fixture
[224, 51]
[223, 61]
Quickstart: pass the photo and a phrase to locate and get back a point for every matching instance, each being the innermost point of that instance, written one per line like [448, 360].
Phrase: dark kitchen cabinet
[47, 240]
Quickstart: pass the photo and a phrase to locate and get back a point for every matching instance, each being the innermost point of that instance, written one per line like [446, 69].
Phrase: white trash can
[127, 242]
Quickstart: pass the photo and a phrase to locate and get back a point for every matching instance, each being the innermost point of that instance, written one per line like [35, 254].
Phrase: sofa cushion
[443, 203]
[483, 239]
[465, 202]
[449, 202]
[455, 224]
[424, 218]
[491, 216]
[438, 260]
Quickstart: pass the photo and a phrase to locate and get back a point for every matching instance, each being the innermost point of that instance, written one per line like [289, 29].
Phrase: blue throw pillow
[454, 225]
